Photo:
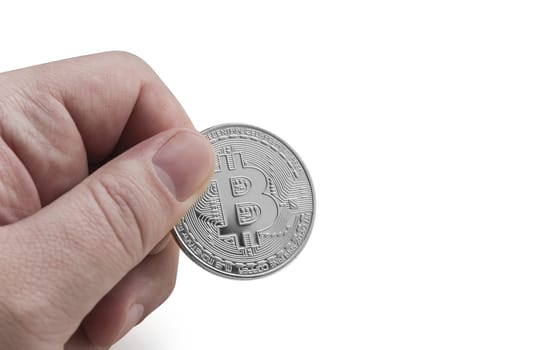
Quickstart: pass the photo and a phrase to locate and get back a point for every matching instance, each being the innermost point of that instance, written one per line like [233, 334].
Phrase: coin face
[258, 210]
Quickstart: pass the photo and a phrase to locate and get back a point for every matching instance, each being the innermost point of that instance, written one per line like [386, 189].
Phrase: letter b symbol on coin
[247, 209]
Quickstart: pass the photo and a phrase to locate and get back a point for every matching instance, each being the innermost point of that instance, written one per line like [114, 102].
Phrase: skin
[89, 188]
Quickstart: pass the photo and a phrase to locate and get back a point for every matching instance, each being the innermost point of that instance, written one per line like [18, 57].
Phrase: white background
[426, 126]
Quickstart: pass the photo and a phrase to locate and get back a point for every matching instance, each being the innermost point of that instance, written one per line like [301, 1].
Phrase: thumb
[63, 259]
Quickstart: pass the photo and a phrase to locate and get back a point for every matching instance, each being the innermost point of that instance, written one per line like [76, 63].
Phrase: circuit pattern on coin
[258, 209]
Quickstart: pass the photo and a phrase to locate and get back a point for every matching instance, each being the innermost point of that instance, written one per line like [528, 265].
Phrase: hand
[85, 256]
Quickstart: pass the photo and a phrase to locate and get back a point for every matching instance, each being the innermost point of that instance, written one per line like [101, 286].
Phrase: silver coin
[257, 212]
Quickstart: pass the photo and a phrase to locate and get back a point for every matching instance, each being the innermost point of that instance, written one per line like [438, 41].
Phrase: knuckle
[36, 107]
[66, 155]
[117, 68]
[127, 58]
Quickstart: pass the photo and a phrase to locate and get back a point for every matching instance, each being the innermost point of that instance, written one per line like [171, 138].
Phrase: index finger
[115, 99]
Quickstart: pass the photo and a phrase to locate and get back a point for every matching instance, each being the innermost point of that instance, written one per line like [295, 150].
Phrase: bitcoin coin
[258, 209]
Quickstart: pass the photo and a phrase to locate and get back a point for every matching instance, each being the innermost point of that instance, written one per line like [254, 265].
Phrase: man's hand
[85, 257]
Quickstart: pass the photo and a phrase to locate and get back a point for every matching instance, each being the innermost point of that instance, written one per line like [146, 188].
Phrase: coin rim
[209, 268]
